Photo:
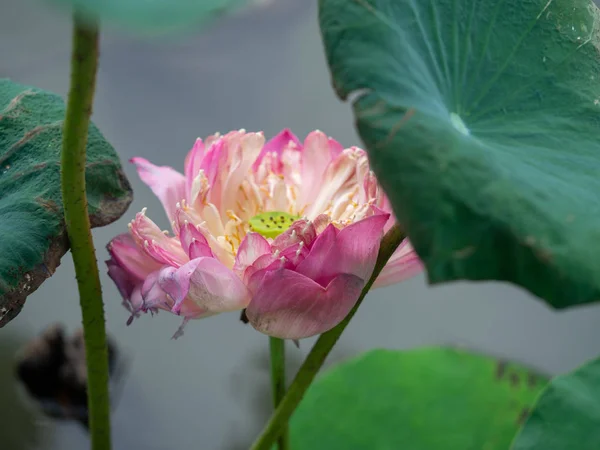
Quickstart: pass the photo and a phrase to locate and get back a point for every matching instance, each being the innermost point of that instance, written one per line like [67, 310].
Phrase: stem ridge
[84, 64]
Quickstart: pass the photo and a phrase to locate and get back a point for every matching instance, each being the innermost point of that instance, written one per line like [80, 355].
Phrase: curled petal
[166, 183]
[163, 249]
[159, 292]
[289, 305]
[124, 281]
[252, 247]
[403, 264]
[153, 295]
[194, 242]
[136, 300]
[126, 253]
[134, 303]
[207, 283]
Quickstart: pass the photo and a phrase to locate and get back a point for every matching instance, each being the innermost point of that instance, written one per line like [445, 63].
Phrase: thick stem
[277, 347]
[319, 353]
[84, 62]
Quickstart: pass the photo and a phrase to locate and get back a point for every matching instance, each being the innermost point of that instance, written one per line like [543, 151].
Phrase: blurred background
[262, 69]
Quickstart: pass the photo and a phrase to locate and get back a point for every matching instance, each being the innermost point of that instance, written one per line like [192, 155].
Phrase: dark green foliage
[482, 122]
[32, 229]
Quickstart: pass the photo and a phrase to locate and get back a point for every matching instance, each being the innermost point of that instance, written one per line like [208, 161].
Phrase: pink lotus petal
[315, 159]
[192, 165]
[166, 183]
[301, 230]
[289, 305]
[321, 222]
[252, 247]
[334, 180]
[209, 284]
[161, 248]
[126, 253]
[219, 166]
[135, 300]
[194, 243]
[277, 145]
[353, 251]
[403, 264]
[213, 159]
[357, 248]
[199, 249]
[123, 280]
[335, 148]
[312, 265]
[153, 295]
[241, 162]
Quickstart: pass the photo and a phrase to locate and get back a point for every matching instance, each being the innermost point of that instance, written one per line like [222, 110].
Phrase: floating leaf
[154, 15]
[567, 415]
[32, 227]
[426, 399]
[482, 122]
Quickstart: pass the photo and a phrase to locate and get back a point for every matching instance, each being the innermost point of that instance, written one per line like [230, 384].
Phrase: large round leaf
[427, 399]
[481, 118]
[567, 415]
[32, 228]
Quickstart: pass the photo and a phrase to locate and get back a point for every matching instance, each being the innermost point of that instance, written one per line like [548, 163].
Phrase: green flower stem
[84, 62]
[277, 347]
[315, 359]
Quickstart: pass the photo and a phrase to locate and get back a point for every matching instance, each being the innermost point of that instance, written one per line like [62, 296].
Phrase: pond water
[260, 70]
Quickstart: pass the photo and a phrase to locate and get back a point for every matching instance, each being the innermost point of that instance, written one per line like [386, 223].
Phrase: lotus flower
[288, 230]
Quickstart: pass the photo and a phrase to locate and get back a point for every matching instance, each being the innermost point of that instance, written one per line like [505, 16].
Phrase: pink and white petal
[208, 283]
[252, 247]
[335, 148]
[315, 159]
[213, 160]
[193, 241]
[241, 162]
[277, 145]
[128, 255]
[337, 178]
[226, 150]
[166, 183]
[289, 305]
[403, 264]
[192, 165]
[163, 249]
